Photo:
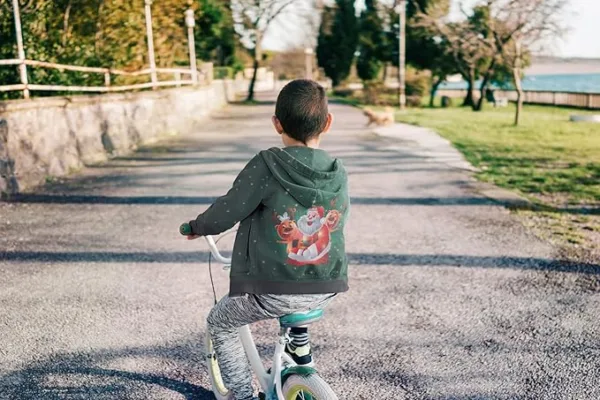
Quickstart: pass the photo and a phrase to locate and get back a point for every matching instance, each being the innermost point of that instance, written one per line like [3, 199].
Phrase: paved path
[451, 298]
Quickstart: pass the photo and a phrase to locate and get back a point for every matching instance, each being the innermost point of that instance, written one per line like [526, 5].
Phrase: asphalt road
[451, 298]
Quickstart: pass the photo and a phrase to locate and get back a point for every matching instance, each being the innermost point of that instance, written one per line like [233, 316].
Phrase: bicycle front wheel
[311, 387]
[218, 387]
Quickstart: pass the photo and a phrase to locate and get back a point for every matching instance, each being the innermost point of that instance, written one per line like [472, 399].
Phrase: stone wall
[54, 136]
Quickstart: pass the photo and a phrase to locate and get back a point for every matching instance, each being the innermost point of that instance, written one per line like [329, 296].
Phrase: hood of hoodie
[309, 175]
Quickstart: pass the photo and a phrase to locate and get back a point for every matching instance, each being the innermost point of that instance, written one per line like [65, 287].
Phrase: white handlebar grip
[215, 251]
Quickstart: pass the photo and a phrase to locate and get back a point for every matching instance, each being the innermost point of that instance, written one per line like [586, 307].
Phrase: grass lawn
[547, 156]
[550, 160]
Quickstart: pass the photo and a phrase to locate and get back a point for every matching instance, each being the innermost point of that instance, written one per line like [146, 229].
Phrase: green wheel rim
[300, 392]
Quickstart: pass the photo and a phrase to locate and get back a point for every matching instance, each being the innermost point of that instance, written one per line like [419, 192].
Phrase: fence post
[190, 23]
[177, 76]
[150, 39]
[107, 78]
[20, 48]
[589, 100]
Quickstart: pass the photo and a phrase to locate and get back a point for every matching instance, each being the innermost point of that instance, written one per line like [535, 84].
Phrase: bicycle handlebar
[186, 230]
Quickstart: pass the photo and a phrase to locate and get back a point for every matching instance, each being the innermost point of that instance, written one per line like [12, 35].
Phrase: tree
[473, 57]
[252, 19]
[337, 41]
[215, 35]
[370, 43]
[425, 51]
[518, 26]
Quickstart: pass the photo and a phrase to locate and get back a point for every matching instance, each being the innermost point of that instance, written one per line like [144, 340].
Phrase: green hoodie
[292, 205]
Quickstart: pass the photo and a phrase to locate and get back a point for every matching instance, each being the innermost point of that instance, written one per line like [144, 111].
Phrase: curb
[502, 196]
[428, 139]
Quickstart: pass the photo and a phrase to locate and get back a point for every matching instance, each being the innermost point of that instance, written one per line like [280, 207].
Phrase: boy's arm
[243, 198]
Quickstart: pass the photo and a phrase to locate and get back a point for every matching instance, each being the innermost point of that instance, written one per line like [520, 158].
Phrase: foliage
[110, 34]
[391, 41]
[215, 35]
[372, 93]
[224, 72]
[417, 83]
[337, 40]
[370, 42]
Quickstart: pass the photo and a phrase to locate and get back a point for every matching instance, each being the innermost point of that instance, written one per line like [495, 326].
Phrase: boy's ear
[329, 122]
[277, 125]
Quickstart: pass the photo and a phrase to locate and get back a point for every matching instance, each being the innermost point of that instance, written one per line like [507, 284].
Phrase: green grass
[547, 156]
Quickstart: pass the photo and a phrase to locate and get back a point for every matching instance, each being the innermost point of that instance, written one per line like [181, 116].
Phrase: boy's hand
[192, 237]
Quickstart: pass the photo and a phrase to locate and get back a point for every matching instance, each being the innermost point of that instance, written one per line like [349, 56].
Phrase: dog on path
[386, 117]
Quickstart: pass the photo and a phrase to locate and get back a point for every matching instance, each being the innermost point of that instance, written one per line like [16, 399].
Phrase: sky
[582, 17]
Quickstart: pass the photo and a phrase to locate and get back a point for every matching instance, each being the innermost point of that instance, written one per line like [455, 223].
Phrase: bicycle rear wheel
[313, 387]
[218, 387]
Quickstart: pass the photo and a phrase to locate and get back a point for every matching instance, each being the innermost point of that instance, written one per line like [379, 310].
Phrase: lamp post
[401, 10]
[190, 22]
[20, 48]
[151, 59]
[308, 62]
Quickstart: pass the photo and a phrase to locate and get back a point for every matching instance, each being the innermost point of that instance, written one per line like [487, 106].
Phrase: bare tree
[253, 18]
[521, 26]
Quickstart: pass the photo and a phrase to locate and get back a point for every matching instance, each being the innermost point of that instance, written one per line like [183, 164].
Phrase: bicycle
[285, 380]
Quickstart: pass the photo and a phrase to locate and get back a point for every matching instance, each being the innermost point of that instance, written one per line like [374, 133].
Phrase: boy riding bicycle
[292, 204]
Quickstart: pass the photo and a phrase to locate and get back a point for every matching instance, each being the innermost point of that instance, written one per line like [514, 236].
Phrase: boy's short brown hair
[302, 109]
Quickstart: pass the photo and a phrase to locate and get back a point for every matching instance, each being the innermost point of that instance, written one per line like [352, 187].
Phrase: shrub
[417, 83]
[223, 72]
[343, 92]
[372, 93]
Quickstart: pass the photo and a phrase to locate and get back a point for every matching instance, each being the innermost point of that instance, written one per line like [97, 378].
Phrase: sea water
[581, 83]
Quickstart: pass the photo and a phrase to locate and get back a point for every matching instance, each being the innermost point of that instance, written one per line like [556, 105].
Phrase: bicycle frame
[267, 380]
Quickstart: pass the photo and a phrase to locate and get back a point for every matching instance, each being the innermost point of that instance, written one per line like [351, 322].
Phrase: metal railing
[568, 99]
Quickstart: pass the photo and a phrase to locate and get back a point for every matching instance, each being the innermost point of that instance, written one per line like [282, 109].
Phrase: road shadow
[356, 259]
[89, 376]
[202, 200]
[65, 198]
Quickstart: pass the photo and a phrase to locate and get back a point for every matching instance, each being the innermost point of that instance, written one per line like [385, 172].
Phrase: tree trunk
[519, 87]
[482, 90]
[257, 58]
[517, 82]
[66, 32]
[519, 107]
[434, 88]
[98, 35]
[484, 85]
[252, 82]
[468, 102]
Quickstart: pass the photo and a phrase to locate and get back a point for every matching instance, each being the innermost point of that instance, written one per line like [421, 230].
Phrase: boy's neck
[291, 142]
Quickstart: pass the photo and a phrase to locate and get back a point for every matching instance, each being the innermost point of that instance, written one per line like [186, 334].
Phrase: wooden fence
[569, 99]
[178, 75]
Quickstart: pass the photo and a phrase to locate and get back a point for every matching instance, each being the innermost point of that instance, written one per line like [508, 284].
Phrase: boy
[288, 255]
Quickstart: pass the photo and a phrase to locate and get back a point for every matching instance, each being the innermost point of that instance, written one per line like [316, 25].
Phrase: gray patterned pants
[232, 313]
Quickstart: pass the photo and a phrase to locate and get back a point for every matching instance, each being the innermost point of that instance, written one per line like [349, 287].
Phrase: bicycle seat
[300, 319]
